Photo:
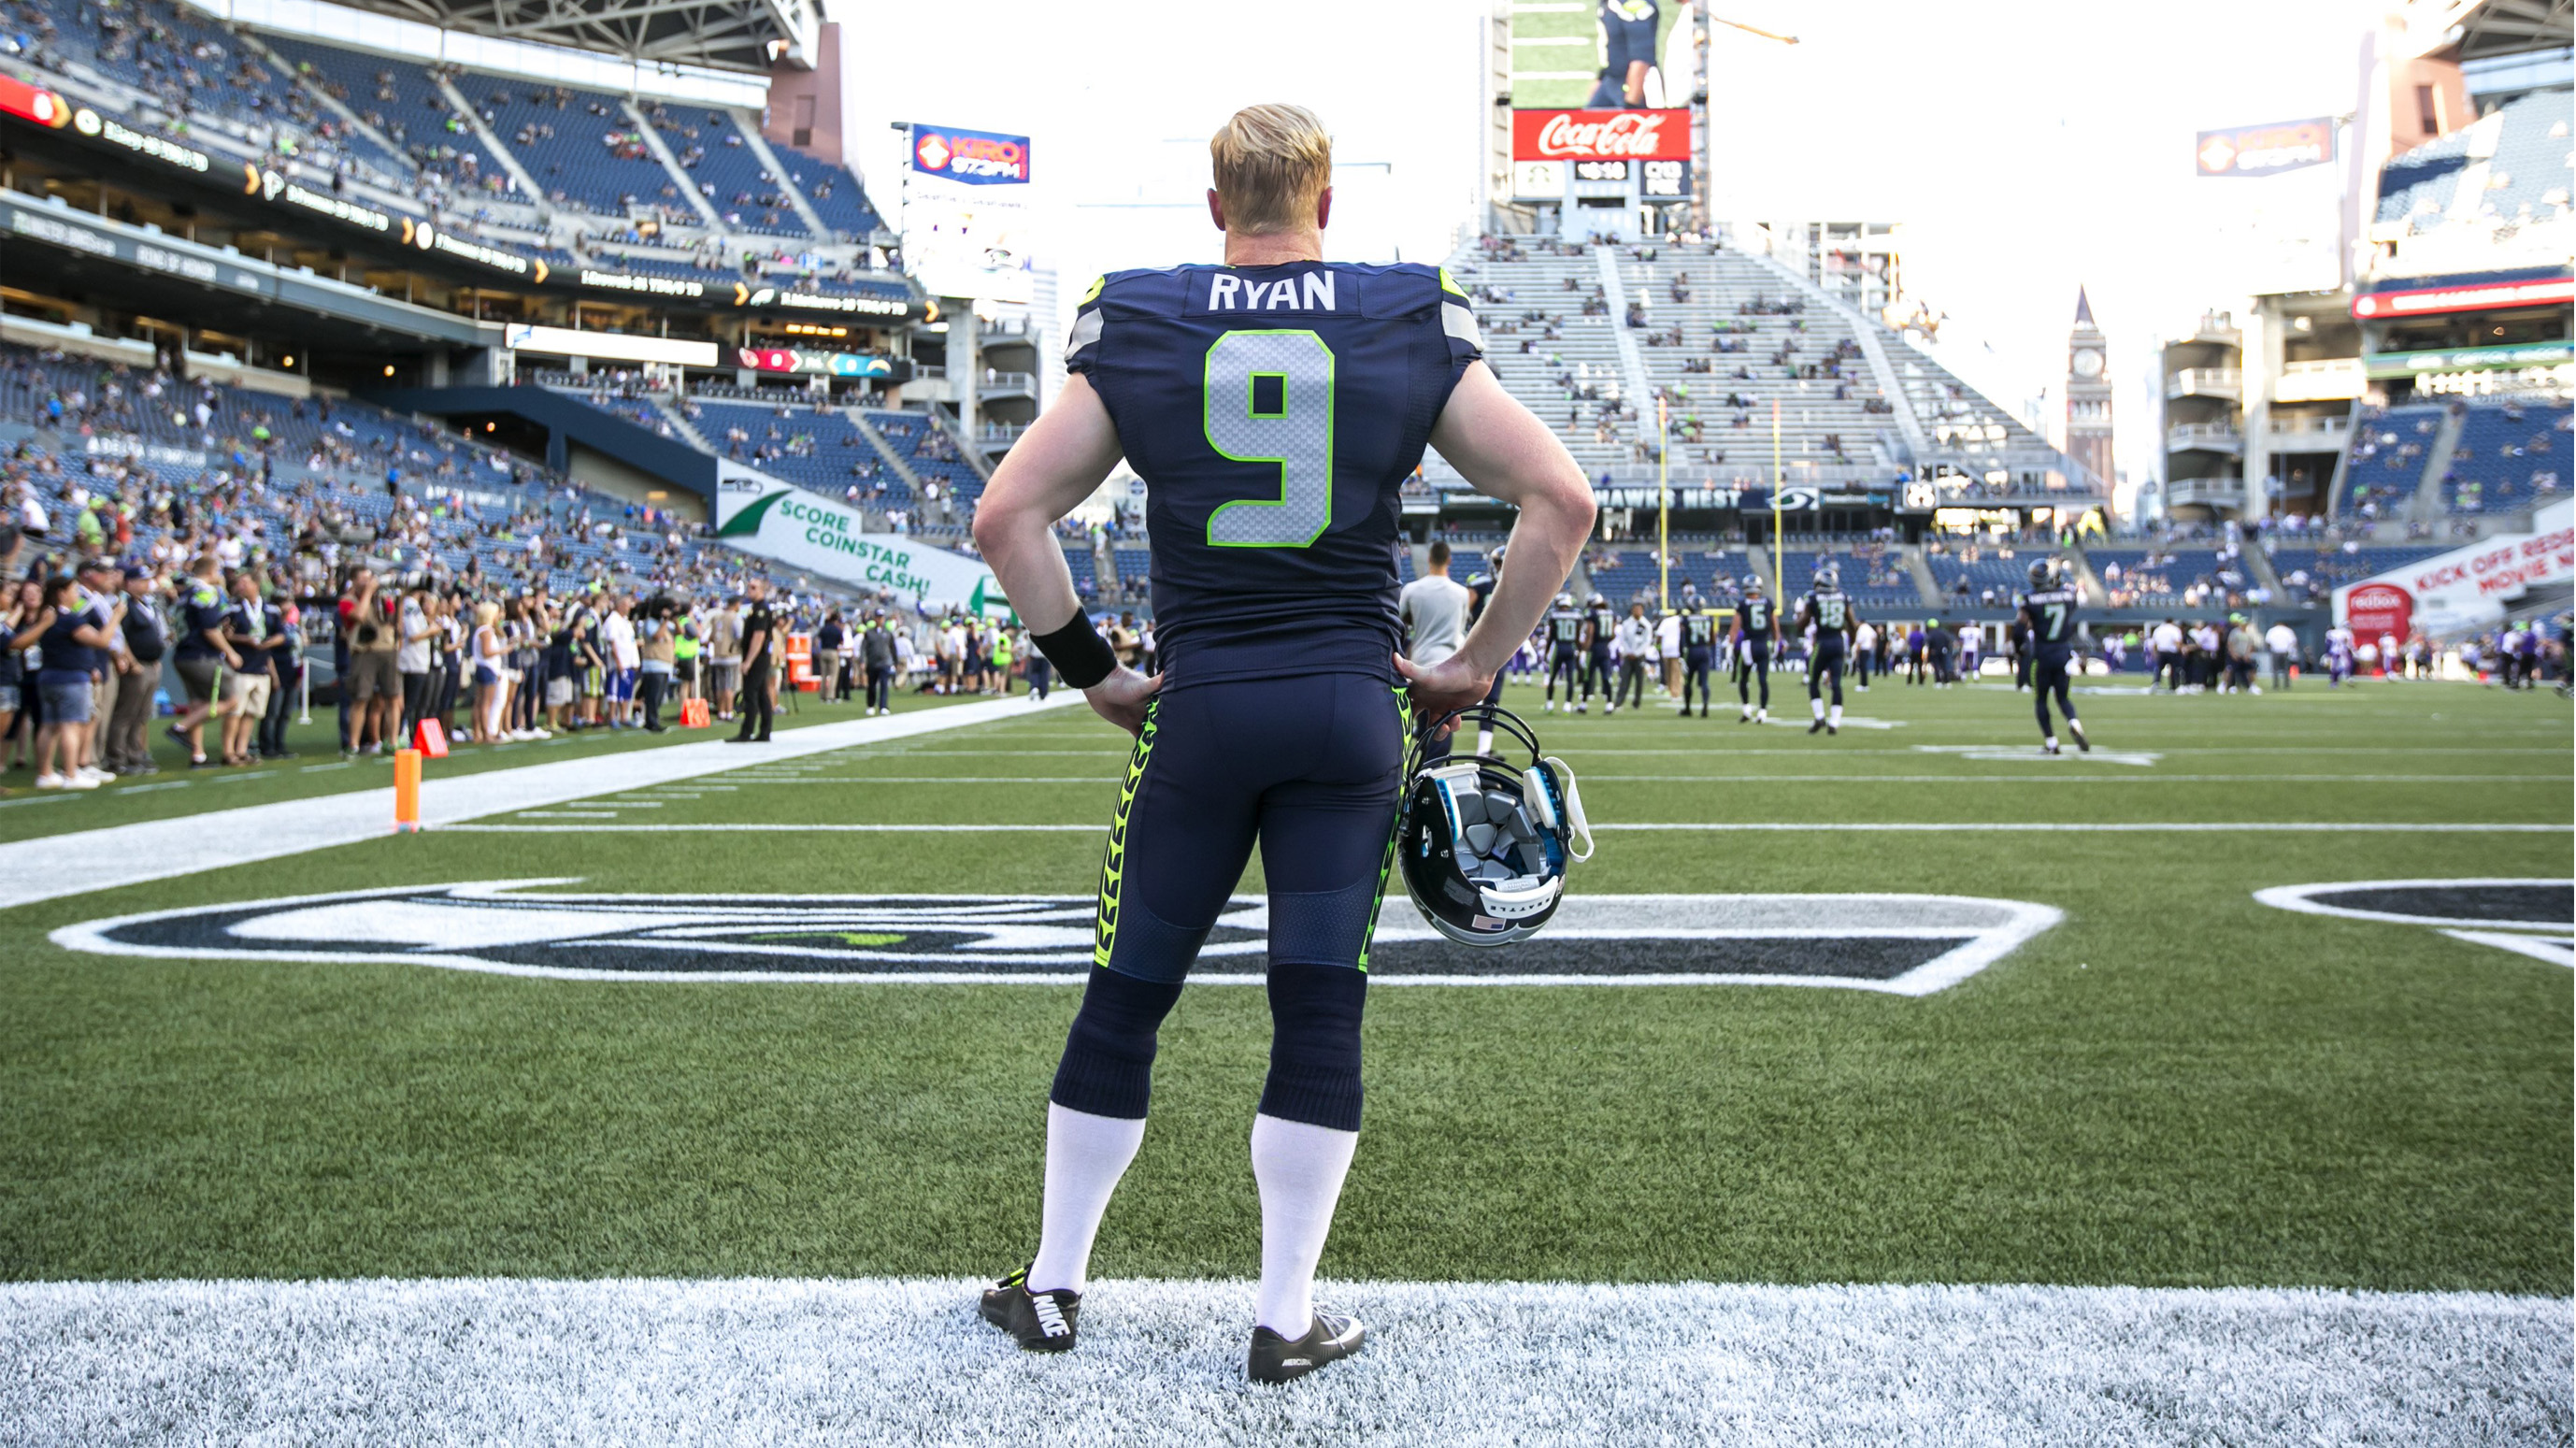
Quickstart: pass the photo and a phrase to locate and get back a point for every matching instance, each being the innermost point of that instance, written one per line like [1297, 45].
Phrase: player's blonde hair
[1271, 163]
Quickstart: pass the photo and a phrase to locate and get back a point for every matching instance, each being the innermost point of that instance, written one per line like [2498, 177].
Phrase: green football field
[709, 1066]
[2176, 1084]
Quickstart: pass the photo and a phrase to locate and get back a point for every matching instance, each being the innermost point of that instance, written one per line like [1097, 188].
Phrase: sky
[2028, 146]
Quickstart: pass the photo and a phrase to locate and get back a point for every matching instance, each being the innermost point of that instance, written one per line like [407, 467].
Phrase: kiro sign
[975, 158]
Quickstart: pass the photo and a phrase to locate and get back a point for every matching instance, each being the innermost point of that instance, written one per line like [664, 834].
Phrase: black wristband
[1078, 652]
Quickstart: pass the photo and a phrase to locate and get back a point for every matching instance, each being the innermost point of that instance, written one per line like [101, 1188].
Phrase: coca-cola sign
[1553, 135]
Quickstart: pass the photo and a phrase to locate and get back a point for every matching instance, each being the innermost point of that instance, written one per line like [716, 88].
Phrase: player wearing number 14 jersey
[1275, 406]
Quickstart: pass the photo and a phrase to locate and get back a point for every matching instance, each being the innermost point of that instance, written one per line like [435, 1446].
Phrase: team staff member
[1635, 642]
[759, 663]
[1433, 610]
[877, 651]
[1274, 721]
[1757, 633]
[147, 642]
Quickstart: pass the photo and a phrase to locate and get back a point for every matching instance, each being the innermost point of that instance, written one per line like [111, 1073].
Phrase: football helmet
[2041, 574]
[1828, 576]
[1753, 583]
[1565, 600]
[1596, 600]
[1484, 842]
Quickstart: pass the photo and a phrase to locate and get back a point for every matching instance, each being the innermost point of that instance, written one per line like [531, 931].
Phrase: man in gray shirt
[1434, 610]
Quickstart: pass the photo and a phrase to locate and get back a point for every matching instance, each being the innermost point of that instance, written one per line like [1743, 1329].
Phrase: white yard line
[907, 1361]
[1710, 826]
[75, 864]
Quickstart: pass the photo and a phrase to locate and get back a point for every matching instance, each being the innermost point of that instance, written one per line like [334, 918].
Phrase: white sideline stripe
[1716, 826]
[1591, 778]
[75, 864]
[1161, 1362]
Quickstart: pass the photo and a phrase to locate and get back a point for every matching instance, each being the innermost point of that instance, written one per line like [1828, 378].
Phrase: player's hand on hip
[1443, 688]
[1121, 698]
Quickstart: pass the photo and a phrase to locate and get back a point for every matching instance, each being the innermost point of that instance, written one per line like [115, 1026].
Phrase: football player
[1699, 648]
[1600, 630]
[1564, 649]
[1275, 405]
[2048, 620]
[1826, 610]
[1757, 633]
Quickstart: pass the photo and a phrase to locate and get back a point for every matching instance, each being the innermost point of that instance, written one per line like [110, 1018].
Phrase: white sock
[1484, 741]
[1085, 1157]
[1835, 718]
[1818, 705]
[1300, 1169]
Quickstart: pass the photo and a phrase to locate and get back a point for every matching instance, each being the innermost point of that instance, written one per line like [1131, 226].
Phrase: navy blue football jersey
[1565, 628]
[2052, 615]
[1605, 622]
[1699, 631]
[1274, 413]
[1480, 591]
[1829, 609]
[1754, 616]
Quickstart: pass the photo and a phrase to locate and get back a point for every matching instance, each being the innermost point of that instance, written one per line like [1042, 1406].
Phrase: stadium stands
[2167, 578]
[708, 144]
[2510, 455]
[1876, 581]
[2389, 453]
[1992, 576]
[2517, 154]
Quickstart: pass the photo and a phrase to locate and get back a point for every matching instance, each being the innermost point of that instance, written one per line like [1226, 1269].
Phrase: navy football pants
[1307, 767]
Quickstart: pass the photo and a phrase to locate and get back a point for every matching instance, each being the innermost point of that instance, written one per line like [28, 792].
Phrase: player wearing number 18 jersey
[1275, 406]
[1829, 612]
[2048, 621]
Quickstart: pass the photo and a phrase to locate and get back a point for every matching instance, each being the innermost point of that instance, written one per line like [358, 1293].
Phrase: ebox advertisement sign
[2373, 609]
[976, 158]
[1560, 135]
[2265, 150]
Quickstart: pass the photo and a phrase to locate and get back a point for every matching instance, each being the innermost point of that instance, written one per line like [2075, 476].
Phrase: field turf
[2175, 1086]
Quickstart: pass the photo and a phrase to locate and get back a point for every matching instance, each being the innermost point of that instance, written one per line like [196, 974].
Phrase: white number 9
[1269, 399]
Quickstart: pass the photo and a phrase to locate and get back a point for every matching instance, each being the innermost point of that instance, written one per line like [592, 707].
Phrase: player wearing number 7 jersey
[2048, 615]
[1274, 405]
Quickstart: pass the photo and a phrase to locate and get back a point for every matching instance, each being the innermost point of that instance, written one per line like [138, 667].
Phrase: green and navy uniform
[1600, 623]
[1757, 623]
[1564, 649]
[1274, 413]
[2048, 616]
[1830, 610]
[1699, 650]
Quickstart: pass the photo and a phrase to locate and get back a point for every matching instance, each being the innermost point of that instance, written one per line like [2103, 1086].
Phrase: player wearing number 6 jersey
[1274, 405]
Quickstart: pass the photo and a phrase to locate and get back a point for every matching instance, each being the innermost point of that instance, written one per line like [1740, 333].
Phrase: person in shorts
[374, 681]
[203, 651]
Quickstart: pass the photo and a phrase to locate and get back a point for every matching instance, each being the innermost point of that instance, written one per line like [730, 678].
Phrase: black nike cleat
[2082, 744]
[1832, 729]
[1816, 728]
[1037, 1321]
[1275, 1359]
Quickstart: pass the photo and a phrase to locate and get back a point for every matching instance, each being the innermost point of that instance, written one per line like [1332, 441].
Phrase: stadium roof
[2507, 27]
[739, 35]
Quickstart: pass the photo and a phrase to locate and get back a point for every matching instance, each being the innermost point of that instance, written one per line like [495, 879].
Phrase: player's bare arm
[1056, 464]
[1505, 452]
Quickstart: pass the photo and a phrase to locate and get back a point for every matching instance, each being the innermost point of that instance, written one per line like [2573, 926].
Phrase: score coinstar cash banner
[759, 514]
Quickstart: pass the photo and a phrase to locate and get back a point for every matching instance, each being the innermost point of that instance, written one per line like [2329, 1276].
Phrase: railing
[1002, 384]
[2204, 436]
[2317, 434]
[2206, 492]
[1000, 434]
[2227, 382]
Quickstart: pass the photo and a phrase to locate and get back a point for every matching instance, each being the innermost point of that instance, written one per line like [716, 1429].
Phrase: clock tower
[2088, 394]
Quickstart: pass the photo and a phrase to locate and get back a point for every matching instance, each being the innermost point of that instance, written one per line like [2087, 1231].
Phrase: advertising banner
[2265, 150]
[2466, 588]
[836, 364]
[965, 213]
[2437, 297]
[1574, 135]
[759, 514]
